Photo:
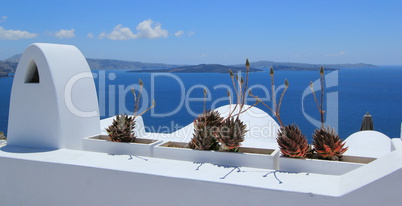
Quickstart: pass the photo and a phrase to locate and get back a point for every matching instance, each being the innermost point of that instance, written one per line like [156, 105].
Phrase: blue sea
[350, 93]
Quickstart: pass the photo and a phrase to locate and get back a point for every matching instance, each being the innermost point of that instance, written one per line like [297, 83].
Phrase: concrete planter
[318, 166]
[102, 143]
[246, 157]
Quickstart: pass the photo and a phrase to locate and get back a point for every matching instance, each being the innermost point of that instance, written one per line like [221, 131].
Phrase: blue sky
[210, 31]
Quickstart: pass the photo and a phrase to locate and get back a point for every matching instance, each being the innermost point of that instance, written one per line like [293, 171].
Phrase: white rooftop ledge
[54, 110]
[71, 177]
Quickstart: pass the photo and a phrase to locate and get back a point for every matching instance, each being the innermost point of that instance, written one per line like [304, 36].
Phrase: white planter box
[101, 143]
[318, 166]
[246, 157]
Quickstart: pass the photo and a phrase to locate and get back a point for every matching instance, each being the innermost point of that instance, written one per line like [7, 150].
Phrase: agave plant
[212, 132]
[231, 134]
[121, 129]
[328, 145]
[233, 130]
[205, 128]
[292, 142]
[2, 136]
[122, 126]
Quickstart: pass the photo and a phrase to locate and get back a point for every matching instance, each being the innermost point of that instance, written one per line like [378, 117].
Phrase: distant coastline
[202, 68]
[8, 66]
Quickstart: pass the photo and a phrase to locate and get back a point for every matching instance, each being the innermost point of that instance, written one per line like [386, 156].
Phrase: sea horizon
[358, 91]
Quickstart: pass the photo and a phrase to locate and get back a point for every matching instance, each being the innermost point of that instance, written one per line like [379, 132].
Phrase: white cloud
[191, 33]
[145, 30]
[3, 19]
[15, 34]
[102, 35]
[64, 33]
[119, 33]
[178, 33]
[90, 35]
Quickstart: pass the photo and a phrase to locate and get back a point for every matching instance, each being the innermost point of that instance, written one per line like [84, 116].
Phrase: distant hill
[202, 68]
[303, 66]
[300, 68]
[110, 64]
[14, 58]
[9, 66]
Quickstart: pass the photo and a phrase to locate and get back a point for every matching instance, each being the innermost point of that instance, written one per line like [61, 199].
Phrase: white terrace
[54, 156]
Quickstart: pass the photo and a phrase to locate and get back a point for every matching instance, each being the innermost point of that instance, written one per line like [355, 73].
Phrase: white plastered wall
[58, 108]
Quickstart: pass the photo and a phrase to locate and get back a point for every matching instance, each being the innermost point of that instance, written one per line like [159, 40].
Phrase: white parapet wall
[53, 100]
[64, 177]
[54, 109]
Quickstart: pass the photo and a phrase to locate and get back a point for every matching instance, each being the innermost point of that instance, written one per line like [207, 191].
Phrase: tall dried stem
[205, 100]
[137, 99]
[273, 91]
[320, 106]
[240, 89]
[322, 80]
[246, 83]
[276, 106]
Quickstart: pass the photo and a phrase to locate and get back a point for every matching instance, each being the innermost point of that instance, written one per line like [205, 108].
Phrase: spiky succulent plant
[292, 142]
[231, 134]
[2, 136]
[328, 145]
[121, 129]
[206, 126]
[212, 132]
